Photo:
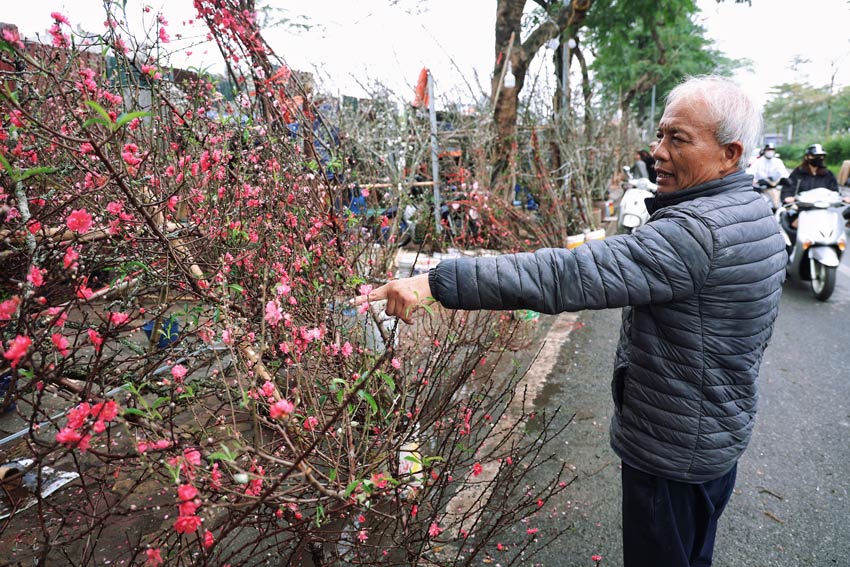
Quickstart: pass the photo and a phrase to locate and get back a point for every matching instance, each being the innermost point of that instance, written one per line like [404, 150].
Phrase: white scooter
[820, 240]
[633, 213]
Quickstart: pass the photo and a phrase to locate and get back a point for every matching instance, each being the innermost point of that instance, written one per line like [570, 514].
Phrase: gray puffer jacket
[701, 284]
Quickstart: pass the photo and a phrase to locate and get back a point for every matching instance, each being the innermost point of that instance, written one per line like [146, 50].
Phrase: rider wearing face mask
[767, 170]
[810, 174]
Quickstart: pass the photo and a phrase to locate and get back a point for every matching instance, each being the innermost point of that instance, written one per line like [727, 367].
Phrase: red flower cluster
[188, 521]
[84, 418]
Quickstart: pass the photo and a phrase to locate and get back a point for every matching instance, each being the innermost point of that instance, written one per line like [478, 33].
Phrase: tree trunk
[587, 94]
[506, 100]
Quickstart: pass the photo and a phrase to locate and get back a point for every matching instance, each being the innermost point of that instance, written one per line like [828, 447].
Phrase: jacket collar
[738, 181]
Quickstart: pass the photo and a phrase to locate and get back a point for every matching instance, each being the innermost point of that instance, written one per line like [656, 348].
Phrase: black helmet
[815, 150]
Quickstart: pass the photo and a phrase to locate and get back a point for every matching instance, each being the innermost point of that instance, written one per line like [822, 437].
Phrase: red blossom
[154, 557]
[84, 292]
[68, 436]
[476, 469]
[280, 409]
[347, 349]
[70, 258]
[273, 314]
[95, 339]
[17, 349]
[187, 524]
[79, 220]
[61, 343]
[311, 422]
[186, 492]
[60, 18]
[118, 318]
[36, 276]
[9, 307]
[11, 36]
[434, 529]
[77, 416]
[209, 539]
[192, 456]
[178, 372]
[188, 508]
[105, 411]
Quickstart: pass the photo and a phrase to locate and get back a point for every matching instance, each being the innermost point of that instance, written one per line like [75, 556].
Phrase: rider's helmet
[769, 146]
[815, 150]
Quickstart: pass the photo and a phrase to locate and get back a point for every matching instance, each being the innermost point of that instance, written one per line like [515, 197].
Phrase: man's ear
[733, 152]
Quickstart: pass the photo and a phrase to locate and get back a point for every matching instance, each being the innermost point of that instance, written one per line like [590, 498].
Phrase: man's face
[688, 153]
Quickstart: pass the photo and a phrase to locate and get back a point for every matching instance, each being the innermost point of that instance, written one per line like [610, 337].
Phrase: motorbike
[816, 245]
[765, 189]
[633, 213]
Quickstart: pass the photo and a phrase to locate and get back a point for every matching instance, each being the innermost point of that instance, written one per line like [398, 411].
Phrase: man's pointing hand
[403, 296]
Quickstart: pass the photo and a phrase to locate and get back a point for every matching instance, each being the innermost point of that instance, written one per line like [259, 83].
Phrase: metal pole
[565, 75]
[435, 162]
[652, 112]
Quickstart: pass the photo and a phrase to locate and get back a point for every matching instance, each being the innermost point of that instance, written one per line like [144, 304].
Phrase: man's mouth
[662, 174]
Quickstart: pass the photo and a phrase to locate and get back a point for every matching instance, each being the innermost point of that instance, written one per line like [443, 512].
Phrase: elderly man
[700, 286]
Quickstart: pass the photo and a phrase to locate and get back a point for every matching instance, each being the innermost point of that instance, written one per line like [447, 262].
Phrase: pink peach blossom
[79, 220]
[17, 349]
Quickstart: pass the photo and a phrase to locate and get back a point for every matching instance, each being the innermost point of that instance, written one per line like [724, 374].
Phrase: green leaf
[5, 46]
[352, 486]
[332, 475]
[96, 120]
[389, 380]
[36, 171]
[8, 167]
[371, 401]
[126, 117]
[224, 455]
[134, 411]
[99, 109]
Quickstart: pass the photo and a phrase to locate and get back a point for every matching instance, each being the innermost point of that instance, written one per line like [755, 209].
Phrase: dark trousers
[668, 523]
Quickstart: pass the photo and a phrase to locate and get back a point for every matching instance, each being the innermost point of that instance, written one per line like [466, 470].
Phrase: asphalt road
[791, 506]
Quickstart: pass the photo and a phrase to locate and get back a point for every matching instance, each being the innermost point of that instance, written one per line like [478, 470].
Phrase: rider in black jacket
[810, 174]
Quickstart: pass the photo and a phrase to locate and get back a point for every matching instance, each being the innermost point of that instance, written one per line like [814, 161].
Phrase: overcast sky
[351, 43]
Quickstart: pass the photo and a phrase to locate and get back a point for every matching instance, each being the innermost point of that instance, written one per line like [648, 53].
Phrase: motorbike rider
[639, 170]
[767, 170]
[810, 174]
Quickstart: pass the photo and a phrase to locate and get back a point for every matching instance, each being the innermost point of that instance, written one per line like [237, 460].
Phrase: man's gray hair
[735, 114]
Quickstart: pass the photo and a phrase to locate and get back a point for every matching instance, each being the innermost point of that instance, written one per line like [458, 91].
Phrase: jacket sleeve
[666, 260]
[790, 188]
[831, 181]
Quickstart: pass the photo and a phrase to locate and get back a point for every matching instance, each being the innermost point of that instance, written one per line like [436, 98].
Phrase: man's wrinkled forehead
[686, 115]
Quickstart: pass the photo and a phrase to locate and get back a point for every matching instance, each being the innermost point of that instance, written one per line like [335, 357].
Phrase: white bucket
[595, 235]
[575, 241]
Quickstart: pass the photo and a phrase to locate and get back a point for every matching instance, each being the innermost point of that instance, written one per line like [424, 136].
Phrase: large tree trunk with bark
[520, 53]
